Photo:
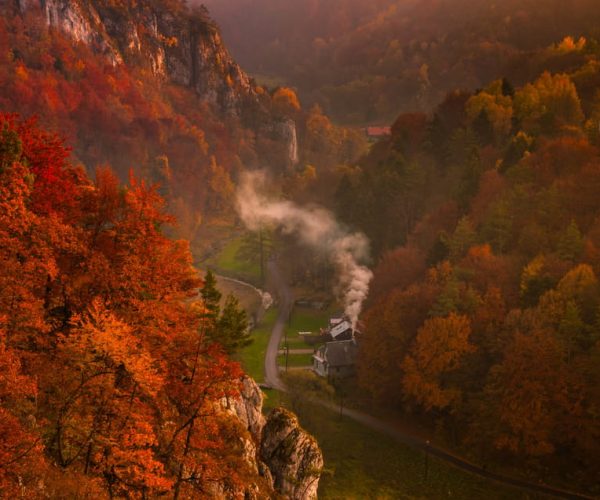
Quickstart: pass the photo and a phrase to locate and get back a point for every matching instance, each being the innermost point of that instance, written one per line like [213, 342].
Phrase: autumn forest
[464, 236]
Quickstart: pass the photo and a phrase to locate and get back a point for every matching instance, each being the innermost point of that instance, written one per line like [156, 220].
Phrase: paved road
[285, 302]
[272, 379]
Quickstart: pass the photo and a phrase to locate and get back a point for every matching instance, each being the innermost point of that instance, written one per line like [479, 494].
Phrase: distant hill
[365, 62]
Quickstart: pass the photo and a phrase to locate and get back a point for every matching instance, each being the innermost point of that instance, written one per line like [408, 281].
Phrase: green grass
[362, 464]
[304, 320]
[273, 399]
[227, 260]
[295, 342]
[252, 357]
[295, 360]
[307, 320]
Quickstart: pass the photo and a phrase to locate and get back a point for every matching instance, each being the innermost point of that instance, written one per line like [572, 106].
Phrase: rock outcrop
[292, 455]
[174, 42]
[285, 456]
[289, 135]
[247, 407]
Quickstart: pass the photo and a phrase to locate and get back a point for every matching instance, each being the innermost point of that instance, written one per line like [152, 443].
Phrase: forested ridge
[117, 115]
[365, 62]
[128, 117]
[116, 376]
[484, 313]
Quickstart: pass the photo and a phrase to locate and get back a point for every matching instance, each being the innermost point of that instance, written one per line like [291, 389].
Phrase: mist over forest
[299, 249]
[365, 62]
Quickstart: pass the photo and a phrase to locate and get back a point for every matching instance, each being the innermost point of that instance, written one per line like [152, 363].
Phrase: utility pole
[286, 348]
[262, 255]
[339, 390]
[426, 459]
[287, 352]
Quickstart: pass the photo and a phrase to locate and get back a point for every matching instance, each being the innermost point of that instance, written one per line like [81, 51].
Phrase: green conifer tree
[232, 330]
[211, 298]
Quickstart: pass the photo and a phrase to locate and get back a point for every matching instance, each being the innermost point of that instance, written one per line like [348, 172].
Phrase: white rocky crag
[290, 135]
[292, 455]
[179, 45]
[184, 47]
[284, 455]
[82, 25]
[248, 407]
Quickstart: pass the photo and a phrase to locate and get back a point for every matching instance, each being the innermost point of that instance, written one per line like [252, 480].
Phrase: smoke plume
[318, 229]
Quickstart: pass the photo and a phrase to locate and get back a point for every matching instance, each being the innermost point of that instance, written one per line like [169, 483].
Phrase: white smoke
[316, 228]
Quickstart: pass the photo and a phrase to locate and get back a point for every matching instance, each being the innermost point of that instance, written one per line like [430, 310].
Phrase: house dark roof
[342, 353]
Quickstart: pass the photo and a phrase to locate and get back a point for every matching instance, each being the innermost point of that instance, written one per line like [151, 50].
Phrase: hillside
[111, 384]
[365, 62]
[149, 87]
[115, 373]
[482, 318]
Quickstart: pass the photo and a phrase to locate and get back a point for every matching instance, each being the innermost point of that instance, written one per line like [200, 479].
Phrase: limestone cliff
[248, 407]
[292, 455]
[174, 42]
[284, 455]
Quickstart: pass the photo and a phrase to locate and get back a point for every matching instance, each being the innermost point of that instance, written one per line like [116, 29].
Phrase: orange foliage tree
[438, 350]
[107, 384]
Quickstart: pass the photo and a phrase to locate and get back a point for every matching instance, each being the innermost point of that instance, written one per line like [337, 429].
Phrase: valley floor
[361, 459]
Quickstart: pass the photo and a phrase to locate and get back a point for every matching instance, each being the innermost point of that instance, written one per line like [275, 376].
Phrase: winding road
[285, 304]
[285, 299]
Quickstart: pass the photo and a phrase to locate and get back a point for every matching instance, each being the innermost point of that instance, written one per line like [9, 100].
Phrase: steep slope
[123, 92]
[484, 305]
[143, 405]
[108, 386]
[179, 44]
[148, 86]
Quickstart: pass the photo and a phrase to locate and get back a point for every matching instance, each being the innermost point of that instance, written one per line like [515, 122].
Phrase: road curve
[285, 298]
[285, 301]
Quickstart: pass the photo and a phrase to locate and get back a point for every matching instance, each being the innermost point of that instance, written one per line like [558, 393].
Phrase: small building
[341, 331]
[336, 320]
[336, 359]
[339, 328]
[377, 132]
